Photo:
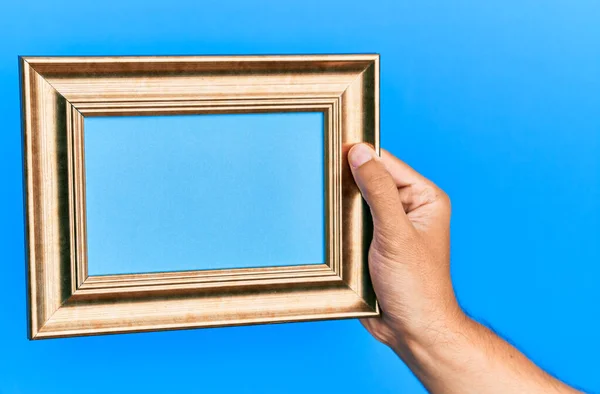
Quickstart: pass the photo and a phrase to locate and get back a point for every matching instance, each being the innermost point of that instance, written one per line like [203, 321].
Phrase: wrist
[448, 328]
[457, 349]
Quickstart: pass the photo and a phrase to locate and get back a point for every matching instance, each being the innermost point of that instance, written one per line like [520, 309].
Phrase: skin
[421, 320]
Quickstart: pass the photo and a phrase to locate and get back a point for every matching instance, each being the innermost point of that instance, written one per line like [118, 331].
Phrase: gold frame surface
[59, 92]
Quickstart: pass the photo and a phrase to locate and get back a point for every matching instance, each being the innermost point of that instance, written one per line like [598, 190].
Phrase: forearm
[459, 355]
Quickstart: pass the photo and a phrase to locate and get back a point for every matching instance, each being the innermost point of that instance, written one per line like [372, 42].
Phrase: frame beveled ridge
[59, 92]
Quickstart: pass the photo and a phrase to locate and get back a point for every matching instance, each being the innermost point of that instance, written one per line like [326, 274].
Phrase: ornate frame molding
[58, 93]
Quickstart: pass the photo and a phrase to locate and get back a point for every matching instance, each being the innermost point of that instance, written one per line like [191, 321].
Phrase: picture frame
[58, 93]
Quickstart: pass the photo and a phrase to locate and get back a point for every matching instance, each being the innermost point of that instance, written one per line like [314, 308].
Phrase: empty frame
[188, 192]
[60, 93]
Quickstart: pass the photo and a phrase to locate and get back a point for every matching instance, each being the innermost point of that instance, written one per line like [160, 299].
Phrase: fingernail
[359, 155]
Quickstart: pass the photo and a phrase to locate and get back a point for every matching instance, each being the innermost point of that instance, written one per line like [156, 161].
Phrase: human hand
[409, 262]
[409, 257]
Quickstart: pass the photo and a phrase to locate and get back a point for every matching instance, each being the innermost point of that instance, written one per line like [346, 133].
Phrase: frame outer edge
[49, 224]
[25, 97]
[46, 208]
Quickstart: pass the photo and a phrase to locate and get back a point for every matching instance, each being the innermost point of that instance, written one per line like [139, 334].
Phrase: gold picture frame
[59, 92]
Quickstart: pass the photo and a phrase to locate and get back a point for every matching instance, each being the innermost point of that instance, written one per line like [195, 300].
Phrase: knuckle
[433, 193]
[428, 194]
[444, 198]
[443, 202]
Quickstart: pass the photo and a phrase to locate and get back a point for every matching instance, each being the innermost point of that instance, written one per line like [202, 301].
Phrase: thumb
[377, 187]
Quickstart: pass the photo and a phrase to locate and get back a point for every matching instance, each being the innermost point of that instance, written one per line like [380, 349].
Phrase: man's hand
[409, 262]
[409, 257]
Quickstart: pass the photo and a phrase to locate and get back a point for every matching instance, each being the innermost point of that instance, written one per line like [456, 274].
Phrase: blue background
[188, 192]
[496, 101]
